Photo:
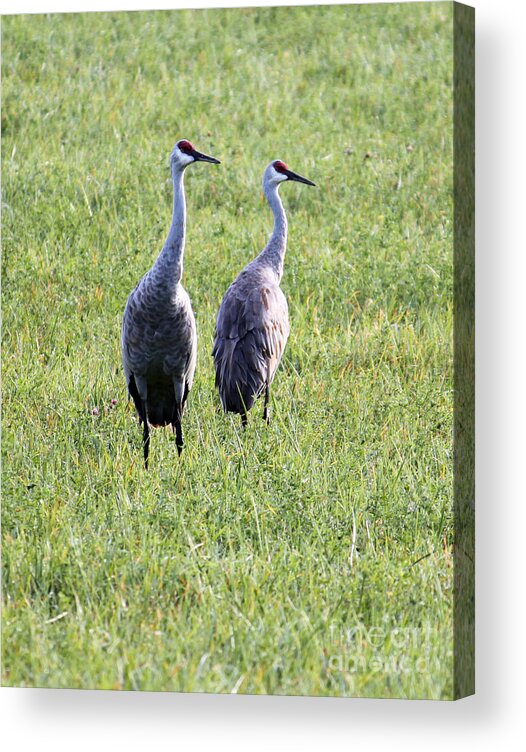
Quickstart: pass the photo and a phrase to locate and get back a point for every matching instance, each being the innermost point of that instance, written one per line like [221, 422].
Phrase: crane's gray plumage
[252, 324]
[159, 337]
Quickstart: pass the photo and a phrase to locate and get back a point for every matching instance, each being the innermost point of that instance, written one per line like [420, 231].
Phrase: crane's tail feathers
[241, 373]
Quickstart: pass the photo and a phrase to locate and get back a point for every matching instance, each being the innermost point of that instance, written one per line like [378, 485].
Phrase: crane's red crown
[280, 166]
[185, 146]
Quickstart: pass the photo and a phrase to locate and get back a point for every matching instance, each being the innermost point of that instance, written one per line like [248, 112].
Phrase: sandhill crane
[253, 323]
[159, 338]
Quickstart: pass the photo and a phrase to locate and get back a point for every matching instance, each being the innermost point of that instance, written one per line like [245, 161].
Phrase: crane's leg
[142, 410]
[181, 394]
[243, 412]
[266, 417]
[177, 428]
[145, 436]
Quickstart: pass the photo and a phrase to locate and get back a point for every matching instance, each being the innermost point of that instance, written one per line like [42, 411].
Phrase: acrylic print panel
[329, 552]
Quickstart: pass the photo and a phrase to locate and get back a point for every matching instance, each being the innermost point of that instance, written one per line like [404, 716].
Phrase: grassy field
[313, 557]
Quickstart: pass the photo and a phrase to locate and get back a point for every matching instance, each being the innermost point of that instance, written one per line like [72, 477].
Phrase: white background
[82, 720]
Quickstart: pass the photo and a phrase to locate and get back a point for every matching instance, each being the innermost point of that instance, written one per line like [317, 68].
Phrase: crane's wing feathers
[159, 352]
[251, 333]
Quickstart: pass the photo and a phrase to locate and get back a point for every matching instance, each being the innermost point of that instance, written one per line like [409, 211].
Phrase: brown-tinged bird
[252, 324]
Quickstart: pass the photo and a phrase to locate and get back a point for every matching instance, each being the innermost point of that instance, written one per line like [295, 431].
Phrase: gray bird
[252, 324]
[159, 337]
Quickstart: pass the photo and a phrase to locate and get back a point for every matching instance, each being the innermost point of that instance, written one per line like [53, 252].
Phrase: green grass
[310, 558]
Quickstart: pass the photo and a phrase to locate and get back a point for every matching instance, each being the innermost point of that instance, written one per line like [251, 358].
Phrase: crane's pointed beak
[199, 157]
[298, 178]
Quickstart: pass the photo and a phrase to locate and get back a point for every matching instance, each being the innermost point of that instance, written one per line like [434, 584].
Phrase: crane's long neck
[274, 252]
[170, 261]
